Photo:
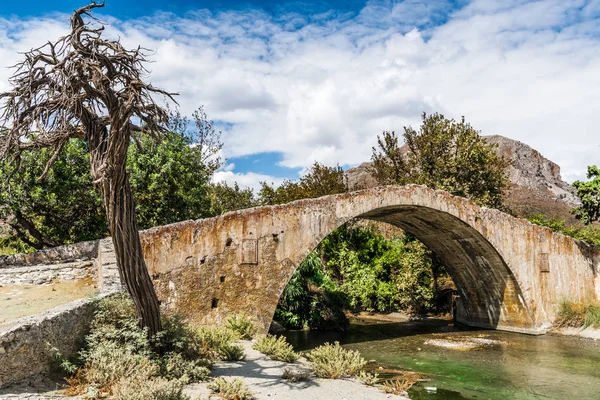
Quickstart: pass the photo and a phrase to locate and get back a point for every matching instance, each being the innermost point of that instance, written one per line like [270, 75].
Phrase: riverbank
[262, 375]
[263, 378]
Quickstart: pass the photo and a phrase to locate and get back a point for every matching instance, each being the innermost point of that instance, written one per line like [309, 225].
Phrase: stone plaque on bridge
[544, 262]
[250, 251]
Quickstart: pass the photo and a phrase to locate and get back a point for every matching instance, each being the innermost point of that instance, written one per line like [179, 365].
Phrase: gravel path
[263, 377]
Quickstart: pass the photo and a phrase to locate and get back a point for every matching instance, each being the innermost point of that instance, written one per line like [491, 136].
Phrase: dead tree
[85, 86]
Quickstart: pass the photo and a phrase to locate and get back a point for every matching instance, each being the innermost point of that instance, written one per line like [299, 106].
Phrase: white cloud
[248, 179]
[321, 89]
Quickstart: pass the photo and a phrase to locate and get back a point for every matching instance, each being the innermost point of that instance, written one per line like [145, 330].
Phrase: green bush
[175, 366]
[367, 378]
[220, 341]
[155, 389]
[233, 389]
[276, 348]
[333, 361]
[243, 325]
[108, 363]
[578, 315]
[588, 233]
[232, 352]
[312, 299]
[118, 355]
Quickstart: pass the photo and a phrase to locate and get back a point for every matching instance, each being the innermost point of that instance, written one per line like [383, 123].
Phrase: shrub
[118, 353]
[367, 378]
[243, 325]
[108, 363]
[397, 386]
[219, 341]
[578, 315]
[155, 389]
[115, 322]
[232, 352]
[175, 366]
[276, 348]
[234, 389]
[333, 361]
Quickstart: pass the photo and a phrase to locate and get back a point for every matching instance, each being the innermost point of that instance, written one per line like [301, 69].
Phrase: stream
[508, 366]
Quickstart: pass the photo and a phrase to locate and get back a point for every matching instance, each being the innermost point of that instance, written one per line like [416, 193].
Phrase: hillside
[535, 181]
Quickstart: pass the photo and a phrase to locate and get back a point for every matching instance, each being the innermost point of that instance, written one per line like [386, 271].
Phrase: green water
[520, 367]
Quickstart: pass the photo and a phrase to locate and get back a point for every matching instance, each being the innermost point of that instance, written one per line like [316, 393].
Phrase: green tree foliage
[443, 154]
[170, 181]
[320, 180]
[225, 198]
[62, 208]
[311, 299]
[589, 233]
[356, 268]
[381, 275]
[589, 193]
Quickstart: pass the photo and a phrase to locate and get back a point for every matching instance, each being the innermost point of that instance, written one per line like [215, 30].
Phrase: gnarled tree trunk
[109, 172]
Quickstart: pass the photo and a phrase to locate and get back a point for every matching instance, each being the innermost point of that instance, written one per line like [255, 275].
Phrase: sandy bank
[263, 377]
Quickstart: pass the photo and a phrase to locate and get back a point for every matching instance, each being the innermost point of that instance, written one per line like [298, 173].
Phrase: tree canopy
[589, 194]
[319, 180]
[443, 154]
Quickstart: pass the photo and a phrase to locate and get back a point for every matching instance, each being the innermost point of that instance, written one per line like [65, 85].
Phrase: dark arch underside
[490, 295]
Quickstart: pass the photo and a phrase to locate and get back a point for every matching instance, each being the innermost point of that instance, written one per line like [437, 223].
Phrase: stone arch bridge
[510, 274]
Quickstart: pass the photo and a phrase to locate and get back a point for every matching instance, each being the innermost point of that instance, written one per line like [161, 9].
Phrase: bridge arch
[510, 274]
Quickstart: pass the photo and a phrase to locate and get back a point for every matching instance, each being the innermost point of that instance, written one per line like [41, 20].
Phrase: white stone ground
[263, 377]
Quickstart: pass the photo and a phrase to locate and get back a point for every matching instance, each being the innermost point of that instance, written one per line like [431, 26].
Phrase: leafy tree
[378, 274]
[62, 208]
[311, 299]
[320, 180]
[443, 154]
[85, 86]
[225, 198]
[170, 182]
[589, 194]
[171, 179]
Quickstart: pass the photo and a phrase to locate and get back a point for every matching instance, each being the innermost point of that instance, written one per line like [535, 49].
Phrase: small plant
[215, 339]
[155, 389]
[231, 352]
[276, 348]
[243, 325]
[175, 366]
[62, 363]
[367, 378]
[333, 361]
[234, 389]
[295, 375]
[578, 315]
[397, 386]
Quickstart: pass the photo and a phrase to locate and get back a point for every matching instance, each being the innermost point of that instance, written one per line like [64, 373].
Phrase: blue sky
[135, 9]
[296, 82]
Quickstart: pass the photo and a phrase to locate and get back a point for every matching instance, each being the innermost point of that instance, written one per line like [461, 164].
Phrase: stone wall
[43, 274]
[63, 254]
[25, 344]
[25, 348]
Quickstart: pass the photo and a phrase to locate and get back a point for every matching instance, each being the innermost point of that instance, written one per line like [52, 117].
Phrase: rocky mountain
[535, 181]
